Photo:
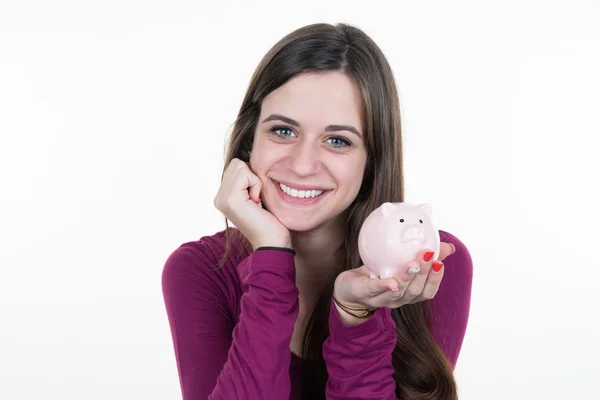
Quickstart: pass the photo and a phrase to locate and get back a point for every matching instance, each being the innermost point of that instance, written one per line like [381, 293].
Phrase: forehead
[317, 98]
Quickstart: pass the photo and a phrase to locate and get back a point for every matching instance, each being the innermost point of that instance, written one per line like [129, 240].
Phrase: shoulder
[197, 288]
[449, 309]
[462, 252]
[459, 266]
[202, 258]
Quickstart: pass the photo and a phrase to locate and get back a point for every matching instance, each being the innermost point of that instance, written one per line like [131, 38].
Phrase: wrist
[281, 242]
[352, 314]
[347, 318]
[287, 249]
[350, 303]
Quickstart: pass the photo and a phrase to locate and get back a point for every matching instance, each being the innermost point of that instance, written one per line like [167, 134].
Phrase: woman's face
[308, 149]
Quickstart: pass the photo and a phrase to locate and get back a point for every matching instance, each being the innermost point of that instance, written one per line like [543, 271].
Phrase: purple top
[232, 327]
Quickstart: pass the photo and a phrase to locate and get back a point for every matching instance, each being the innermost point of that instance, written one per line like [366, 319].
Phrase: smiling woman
[312, 154]
[281, 307]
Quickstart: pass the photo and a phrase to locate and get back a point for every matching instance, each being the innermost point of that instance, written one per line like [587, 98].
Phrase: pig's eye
[402, 220]
[421, 221]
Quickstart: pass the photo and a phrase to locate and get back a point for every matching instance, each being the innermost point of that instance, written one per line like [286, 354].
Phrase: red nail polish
[437, 266]
[428, 256]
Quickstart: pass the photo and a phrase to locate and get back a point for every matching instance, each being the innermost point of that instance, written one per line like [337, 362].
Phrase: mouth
[295, 196]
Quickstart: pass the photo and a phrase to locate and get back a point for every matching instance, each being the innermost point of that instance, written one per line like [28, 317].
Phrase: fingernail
[413, 271]
[453, 248]
[393, 289]
[428, 256]
[437, 266]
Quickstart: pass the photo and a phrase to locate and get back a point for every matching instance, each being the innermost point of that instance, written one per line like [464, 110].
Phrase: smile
[304, 196]
[301, 194]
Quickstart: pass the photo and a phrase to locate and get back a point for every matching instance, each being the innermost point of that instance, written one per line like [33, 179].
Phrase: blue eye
[277, 129]
[339, 142]
[285, 132]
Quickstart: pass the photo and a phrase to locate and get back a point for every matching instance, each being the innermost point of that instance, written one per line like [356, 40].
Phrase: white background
[113, 119]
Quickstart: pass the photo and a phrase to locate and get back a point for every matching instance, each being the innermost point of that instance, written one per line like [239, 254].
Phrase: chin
[296, 224]
[303, 223]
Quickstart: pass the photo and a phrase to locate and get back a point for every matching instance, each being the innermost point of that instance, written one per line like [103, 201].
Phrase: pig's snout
[413, 232]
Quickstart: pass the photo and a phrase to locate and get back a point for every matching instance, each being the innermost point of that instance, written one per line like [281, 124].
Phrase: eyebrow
[328, 128]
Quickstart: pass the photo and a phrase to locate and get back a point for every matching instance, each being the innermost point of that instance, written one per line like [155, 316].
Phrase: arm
[359, 357]
[214, 359]
[449, 309]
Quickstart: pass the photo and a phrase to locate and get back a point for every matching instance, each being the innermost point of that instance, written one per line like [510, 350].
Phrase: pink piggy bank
[392, 236]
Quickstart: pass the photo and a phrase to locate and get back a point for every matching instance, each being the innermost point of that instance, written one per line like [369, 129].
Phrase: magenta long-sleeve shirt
[232, 326]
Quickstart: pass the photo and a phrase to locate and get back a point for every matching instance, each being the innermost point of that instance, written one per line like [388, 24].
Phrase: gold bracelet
[368, 312]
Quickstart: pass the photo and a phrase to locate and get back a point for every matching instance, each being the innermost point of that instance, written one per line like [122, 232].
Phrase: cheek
[351, 174]
[264, 156]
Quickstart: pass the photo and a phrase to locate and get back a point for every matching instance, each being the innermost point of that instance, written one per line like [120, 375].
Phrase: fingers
[368, 288]
[419, 280]
[254, 185]
[432, 285]
[418, 271]
[426, 282]
[359, 286]
[383, 291]
[238, 185]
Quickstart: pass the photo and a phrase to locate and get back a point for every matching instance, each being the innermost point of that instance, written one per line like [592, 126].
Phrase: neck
[316, 256]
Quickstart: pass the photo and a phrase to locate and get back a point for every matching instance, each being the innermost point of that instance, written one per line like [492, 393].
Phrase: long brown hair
[421, 368]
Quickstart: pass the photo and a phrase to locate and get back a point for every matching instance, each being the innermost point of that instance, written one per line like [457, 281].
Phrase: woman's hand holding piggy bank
[403, 257]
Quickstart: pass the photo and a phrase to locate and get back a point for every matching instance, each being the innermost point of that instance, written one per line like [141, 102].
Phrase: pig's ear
[386, 208]
[425, 208]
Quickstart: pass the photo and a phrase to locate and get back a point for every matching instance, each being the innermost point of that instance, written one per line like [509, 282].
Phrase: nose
[413, 232]
[305, 159]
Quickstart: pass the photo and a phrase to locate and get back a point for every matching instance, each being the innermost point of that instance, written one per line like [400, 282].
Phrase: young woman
[281, 307]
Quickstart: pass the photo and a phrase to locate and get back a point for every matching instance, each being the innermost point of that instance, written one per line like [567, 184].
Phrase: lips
[300, 193]
[302, 187]
[294, 199]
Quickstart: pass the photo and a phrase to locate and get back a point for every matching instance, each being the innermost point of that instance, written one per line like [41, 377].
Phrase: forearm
[259, 357]
[358, 354]
[218, 355]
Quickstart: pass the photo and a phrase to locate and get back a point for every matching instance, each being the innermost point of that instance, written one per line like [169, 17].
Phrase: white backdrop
[113, 118]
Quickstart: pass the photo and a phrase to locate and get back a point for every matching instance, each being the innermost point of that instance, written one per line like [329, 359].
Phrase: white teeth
[302, 194]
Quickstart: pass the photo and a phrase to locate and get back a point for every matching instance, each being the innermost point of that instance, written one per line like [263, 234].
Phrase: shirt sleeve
[449, 309]
[217, 358]
[359, 357]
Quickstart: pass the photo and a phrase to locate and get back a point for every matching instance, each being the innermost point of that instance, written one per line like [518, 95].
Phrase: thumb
[382, 285]
[376, 286]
